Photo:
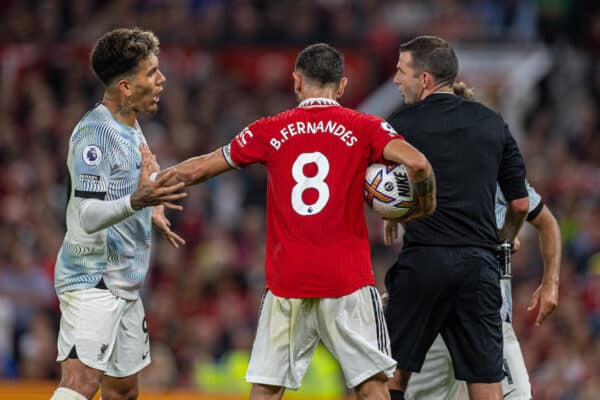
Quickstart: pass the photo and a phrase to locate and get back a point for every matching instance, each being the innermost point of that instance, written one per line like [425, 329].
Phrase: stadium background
[228, 63]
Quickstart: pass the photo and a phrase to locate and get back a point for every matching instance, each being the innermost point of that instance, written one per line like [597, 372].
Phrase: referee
[446, 279]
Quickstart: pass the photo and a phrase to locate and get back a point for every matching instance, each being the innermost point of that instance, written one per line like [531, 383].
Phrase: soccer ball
[388, 190]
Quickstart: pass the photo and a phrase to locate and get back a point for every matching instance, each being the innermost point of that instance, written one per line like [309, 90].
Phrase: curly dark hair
[119, 52]
[434, 55]
[322, 63]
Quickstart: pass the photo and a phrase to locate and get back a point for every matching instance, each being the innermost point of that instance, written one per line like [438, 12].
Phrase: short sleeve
[91, 150]
[535, 202]
[249, 146]
[380, 134]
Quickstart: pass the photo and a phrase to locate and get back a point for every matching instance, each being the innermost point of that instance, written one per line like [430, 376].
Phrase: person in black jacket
[446, 278]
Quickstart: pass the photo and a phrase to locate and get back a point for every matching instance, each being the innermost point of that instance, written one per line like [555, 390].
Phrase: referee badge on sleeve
[92, 155]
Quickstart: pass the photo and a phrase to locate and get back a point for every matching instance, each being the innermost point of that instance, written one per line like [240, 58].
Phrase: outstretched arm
[98, 214]
[550, 246]
[420, 174]
[198, 169]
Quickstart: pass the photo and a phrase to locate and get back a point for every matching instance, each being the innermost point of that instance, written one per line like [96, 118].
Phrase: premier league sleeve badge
[92, 155]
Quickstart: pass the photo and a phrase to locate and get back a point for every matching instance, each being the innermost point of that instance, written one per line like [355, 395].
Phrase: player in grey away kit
[103, 339]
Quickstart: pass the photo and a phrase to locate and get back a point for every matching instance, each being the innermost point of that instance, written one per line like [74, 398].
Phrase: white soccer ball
[388, 190]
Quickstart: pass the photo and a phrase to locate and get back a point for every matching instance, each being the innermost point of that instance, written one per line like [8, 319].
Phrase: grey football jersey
[104, 163]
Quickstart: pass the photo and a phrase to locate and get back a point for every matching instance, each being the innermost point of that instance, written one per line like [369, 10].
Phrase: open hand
[547, 297]
[162, 223]
[152, 193]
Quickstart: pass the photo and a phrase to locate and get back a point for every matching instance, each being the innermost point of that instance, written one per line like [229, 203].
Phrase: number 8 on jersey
[304, 182]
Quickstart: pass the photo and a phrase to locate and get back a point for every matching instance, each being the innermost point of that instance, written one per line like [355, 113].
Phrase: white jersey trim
[226, 151]
[318, 102]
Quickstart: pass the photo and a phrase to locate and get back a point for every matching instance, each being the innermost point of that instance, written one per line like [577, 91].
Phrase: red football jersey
[316, 157]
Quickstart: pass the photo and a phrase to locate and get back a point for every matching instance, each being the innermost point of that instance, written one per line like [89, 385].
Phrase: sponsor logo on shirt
[243, 136]
[89, 178]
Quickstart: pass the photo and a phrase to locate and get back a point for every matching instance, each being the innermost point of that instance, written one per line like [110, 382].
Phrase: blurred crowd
[227, 63]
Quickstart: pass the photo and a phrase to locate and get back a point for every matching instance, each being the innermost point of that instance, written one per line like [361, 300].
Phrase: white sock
[63, 393]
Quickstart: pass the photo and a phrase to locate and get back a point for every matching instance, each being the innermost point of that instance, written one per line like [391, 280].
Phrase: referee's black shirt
[470, 149]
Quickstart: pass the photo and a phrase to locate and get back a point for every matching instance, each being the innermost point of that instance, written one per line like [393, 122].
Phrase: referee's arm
[512, 183]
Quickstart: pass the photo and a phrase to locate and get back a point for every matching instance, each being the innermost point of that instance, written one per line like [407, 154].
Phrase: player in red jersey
[320, 284]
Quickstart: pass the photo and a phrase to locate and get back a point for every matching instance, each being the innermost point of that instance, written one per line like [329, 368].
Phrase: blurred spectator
[228, 62]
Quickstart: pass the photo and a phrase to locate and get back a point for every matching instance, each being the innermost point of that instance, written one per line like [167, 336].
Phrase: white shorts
[351, 327]
[109, 333]
[436, 379]
[516, 385]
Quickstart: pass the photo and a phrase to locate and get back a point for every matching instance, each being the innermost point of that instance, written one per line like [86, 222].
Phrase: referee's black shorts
[454, 291]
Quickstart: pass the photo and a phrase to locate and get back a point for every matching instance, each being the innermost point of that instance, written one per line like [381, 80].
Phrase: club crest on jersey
[92, 155]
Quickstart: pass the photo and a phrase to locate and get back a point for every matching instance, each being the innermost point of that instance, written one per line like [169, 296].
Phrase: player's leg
[353, 329]
[284, 344]
[419, 300]
[131, 354]
[125, 388]
[77, 381]
[398, 384]
[473, 333]
[436, 380]
[516, 385]
[484, 391]
[266, 392]
[88, 327]
[374, 388]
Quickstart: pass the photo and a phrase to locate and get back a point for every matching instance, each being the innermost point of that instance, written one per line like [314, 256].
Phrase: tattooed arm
[420, 174]
[423, 205]
[424, 200]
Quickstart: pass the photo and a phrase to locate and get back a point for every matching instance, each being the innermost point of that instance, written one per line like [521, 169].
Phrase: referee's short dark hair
[434, 55]
[119, 52]
[321, 63]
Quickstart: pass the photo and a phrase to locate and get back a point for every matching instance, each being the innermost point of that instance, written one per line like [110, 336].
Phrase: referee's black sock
[396, 394]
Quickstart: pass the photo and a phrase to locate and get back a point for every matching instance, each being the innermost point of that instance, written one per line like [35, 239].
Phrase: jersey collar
[318, 102]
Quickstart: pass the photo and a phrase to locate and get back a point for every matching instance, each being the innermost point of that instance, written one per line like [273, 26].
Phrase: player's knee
[373, 388]
[399, 381]
[260, 391]
[128, 393]
[86, 383]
